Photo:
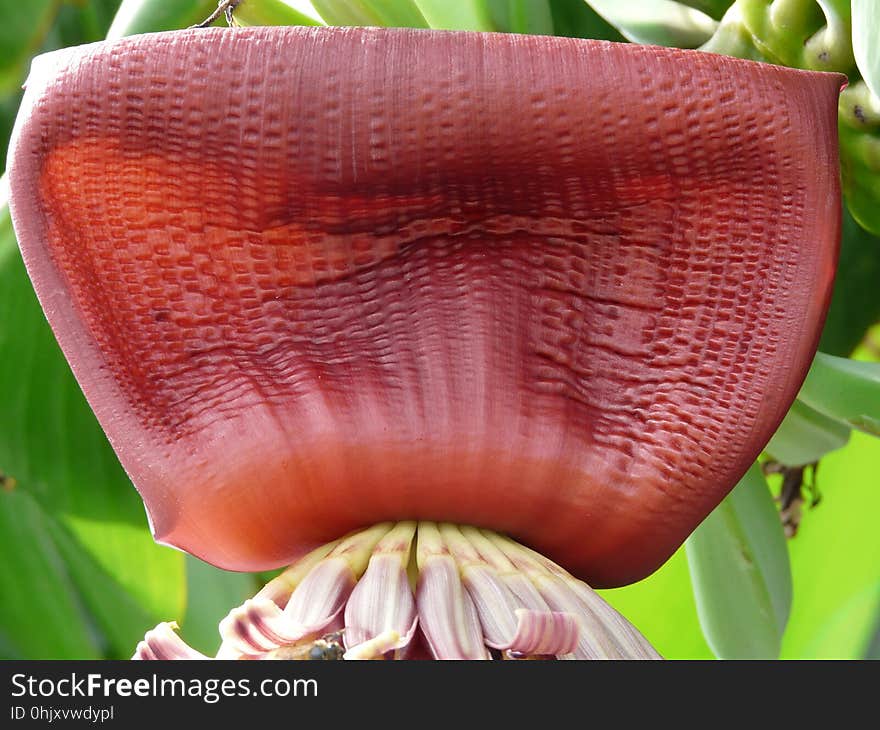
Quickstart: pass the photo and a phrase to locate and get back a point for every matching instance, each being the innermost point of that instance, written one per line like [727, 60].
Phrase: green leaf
[576, 19]
[845, 390]
[74, 24]
[383, 13]
[270, 12]
[42, 615]
[52, 445]
[22, 32]
[740, 573]
[122, 615]
[805, 436]
[458, 15]
[80, 22]
[657, 22]
[855, 305]
[212, 594]
[866, 41]
[522, 16]
[8, 109]
[150, 16]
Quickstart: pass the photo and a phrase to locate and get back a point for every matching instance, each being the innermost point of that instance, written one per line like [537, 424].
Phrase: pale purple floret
[456, 592]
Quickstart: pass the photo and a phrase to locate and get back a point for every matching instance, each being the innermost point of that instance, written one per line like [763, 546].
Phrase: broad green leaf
[212, 594]
[80, 22]
[42, 615]
[8, 109]
[576, 19]
[740, 573]
[123, 614]
[75, 23]
[52, 445]
[522, 16]
[458, 15]
[149, 16]
[271, 12]
[383, 13]
[58, 593]
[805, 436]
[845, 390]
[24, 26]
[866, 41]
[657, 22]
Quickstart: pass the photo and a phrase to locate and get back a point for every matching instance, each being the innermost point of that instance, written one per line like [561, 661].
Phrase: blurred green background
[81, 576]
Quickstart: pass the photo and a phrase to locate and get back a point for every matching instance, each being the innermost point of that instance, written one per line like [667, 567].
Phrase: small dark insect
[791, 497]
[7, 483]
[327, 648]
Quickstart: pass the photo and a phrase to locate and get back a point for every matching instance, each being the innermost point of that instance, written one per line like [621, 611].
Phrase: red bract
[314, 279]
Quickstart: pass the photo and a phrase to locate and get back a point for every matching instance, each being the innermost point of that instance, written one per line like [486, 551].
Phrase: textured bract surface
[312, 279]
